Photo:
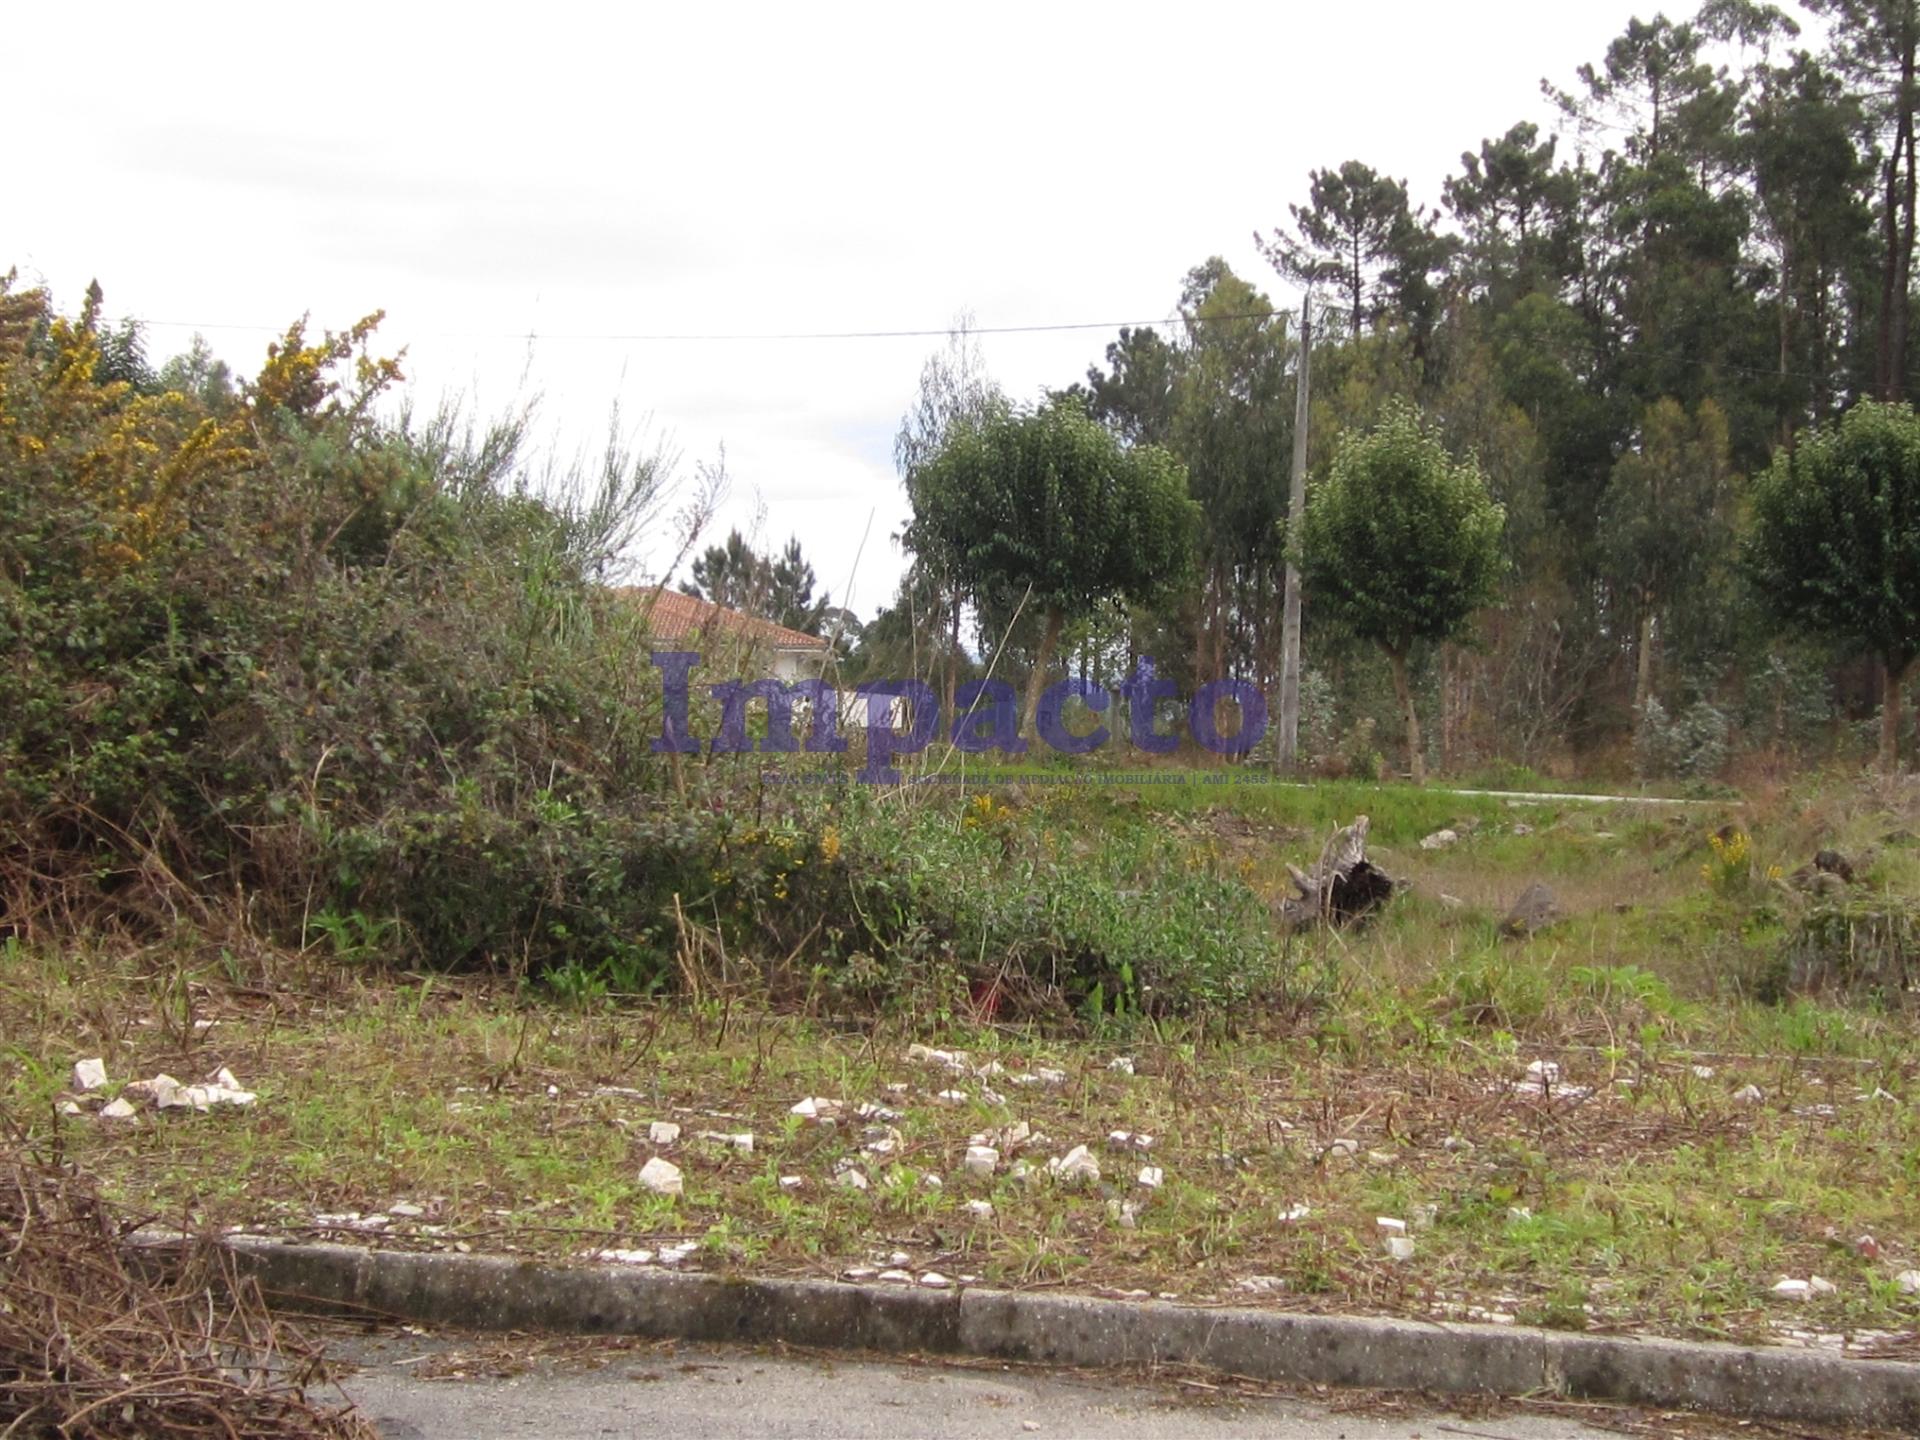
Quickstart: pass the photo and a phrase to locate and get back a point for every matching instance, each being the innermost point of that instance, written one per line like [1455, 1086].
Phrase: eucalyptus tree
[1876, 46]
[955, 391]
[1665, 526]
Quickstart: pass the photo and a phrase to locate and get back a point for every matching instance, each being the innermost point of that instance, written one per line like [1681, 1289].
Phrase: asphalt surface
[489, 1389]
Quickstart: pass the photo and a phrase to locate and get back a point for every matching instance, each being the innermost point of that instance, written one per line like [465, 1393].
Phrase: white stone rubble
[662, 1177]
[1075, 1167]
[982, 1160]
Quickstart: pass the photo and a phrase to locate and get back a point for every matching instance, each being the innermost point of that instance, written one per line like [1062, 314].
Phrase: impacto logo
[903, 716]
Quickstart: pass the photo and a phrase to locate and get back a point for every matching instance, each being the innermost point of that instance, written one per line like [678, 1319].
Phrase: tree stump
[1344, 888]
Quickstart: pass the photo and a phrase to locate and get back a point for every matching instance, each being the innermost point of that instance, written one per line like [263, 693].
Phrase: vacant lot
[1617, 1123]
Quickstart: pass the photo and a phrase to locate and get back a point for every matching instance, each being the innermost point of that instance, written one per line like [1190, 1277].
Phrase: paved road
[406, 1388]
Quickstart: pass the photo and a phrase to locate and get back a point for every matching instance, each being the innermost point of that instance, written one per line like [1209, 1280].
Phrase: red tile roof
[676, 617]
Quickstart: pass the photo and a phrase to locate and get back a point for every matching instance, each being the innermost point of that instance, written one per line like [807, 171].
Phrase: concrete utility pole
[1296, 508]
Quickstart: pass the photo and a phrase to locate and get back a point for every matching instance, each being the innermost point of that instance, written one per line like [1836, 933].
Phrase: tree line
[1637, 323]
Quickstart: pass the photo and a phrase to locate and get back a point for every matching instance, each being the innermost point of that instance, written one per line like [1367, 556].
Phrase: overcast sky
[576, 173]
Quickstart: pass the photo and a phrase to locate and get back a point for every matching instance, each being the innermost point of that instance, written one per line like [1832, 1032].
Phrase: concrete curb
[489, 1293]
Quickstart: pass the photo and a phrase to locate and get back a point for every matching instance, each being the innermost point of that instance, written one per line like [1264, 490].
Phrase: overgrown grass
[1658, 1200]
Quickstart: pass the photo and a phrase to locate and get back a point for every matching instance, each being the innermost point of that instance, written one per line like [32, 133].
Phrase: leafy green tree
[1232, 426]
[1045, 507]
[1800, 140]
[1835, 548]
[199, 373]
[1664, 526]
[1402, 544]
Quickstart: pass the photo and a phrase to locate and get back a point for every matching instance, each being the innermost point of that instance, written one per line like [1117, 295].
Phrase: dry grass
[94, 1348]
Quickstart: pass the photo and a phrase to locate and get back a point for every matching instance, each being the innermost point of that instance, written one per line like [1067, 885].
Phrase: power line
[768, 336]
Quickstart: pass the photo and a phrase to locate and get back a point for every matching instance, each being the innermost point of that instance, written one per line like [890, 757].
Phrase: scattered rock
[1124, 1213]
[896, 1277]
[1391, 1226]
[1823, 1287]
[952, 1097]
[1536, 909]
[89, 1075]
[980, 1209]
[877, 1112]
[1454, 1145]
[625, 1257]
[1441, 840]
[1121, 1064]
[1152, 1177]
[163, 1092]
[851, 1180]
[792, 1182]
[1077, 1166]
[1523, 830]
[406, 1210]
[742, 1142]
[1749, 1095]
[1294, 1214]
[1793, 1290]
[1703, 1072]
[1382, 1158]
[1908, 1282]
[1453, 902]
[1127, 1140]
[68, 1108]
[982, 1160]
[934, 1280]
[1261, 1284]
[953, 1060]
[119, 1110]
[1542, 1075]
[663, 1132]
[675, 1254]
[932, 1182]
[1344, 1149]
[1423, 1217]
[662, 1177]
[819, 1110]
[1400, 1247]
[859, 1272]
[1042, 1076]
